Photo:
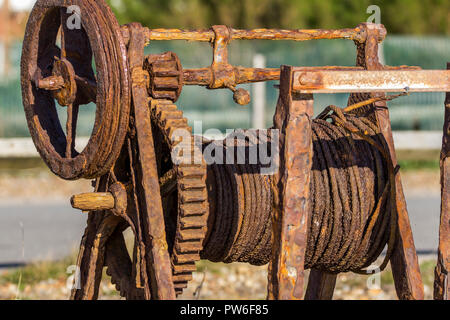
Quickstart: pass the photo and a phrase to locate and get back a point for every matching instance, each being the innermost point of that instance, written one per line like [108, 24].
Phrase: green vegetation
[399, 16]
[426, 271]
[411, 165]
[33, 274]
[418, 160]
[40, 271]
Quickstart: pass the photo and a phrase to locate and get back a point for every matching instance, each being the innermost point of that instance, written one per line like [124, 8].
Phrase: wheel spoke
[71, 126]
[63, 15]
[86, 90]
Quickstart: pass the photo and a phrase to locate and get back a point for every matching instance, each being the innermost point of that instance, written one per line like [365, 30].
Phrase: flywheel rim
[112, 97]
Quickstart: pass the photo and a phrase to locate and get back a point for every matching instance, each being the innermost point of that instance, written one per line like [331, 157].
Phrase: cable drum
[239, 226]
[351, 203]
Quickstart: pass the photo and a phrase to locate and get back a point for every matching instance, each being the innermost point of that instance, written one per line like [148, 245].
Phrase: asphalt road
[37, 232]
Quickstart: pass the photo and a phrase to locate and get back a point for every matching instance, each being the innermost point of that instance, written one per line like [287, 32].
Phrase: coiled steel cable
[353, 201]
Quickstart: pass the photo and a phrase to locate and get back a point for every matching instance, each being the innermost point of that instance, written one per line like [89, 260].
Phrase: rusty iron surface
[404, 261]
[183, 190]
[98, 37]
[150, 203]
[372, 81]
[166, 76]
[290, 224]
[181, 212]
[320, 285]
[208, 35]
[442, 283]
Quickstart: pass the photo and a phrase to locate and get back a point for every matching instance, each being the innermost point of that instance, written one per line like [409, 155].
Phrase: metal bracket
[290, 224]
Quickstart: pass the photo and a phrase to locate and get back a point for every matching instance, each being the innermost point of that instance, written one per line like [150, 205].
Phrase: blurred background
[36, 221]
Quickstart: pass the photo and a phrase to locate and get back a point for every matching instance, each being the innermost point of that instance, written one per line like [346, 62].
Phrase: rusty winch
[331, 200]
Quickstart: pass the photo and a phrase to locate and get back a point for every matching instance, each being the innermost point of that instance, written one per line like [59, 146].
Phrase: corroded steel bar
[204, 76]
[290, 224]
[208, 35]
[157, 257]
[51, 83]
[371, 81]
[441, 282]
[404, 261]
[297, 35]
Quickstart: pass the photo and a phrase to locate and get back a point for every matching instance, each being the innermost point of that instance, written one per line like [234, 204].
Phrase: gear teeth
[192, 209]
[191, 234]
[166, 74]
[192, 171]
[182, 277]
[188, 246]
[189, 184]
[186, 258]
[186, 267]
[192, 197]
[180, 285]
[193, 222]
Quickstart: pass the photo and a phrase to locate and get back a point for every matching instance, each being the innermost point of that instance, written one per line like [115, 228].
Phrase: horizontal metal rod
[330, 81]
[204, 76]
[208, 35]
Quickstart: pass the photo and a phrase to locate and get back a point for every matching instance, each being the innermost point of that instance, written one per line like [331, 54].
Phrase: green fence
[216, 109]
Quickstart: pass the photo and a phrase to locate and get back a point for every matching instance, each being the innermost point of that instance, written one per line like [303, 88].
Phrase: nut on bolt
[241, 97]
[309, 78]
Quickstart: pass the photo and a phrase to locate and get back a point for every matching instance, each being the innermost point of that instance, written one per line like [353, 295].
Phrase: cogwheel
[183, 191]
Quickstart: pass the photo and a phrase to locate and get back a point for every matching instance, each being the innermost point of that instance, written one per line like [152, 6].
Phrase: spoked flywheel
[64, 74]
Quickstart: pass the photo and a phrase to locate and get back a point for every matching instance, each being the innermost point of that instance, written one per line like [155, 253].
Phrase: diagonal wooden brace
[290, 224]
[441, 282]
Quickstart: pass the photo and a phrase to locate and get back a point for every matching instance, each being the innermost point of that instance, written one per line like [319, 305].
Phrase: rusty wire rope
[353, 212]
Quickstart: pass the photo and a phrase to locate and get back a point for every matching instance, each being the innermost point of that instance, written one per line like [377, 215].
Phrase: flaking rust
[181, 212]
[293, 119]
[442, 283]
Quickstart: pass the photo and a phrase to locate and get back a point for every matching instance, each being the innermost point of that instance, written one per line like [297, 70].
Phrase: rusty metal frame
[404, 261]
[290, 225]
[157, 257]
[350, 81]
[357, 34]
[369, 79]
[442, 283]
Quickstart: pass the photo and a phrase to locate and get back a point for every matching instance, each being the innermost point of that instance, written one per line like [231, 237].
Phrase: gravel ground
[224, 282]
[213, 281]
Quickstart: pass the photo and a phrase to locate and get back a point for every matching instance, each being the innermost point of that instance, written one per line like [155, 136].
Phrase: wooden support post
[290, 227]
[404, 262]
[441, 282]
